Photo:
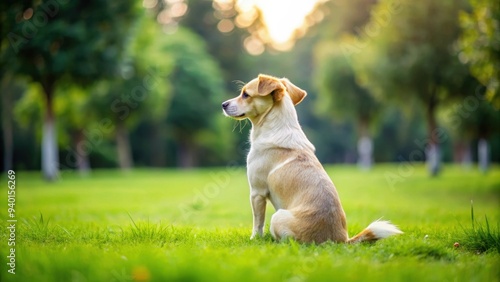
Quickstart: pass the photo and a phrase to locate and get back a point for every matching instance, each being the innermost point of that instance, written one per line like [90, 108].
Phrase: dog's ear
[268, 85]
[295, 93]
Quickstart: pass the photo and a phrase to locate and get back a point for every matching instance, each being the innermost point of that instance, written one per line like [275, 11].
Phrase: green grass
[482, 238]
[170, 225]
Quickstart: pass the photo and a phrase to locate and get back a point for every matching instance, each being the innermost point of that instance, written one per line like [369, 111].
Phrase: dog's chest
[257, 170]
[259, 166]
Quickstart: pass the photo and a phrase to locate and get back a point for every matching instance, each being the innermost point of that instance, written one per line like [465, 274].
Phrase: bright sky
[282, 17]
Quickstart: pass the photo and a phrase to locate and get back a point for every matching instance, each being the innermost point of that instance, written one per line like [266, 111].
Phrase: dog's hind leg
[281, 224]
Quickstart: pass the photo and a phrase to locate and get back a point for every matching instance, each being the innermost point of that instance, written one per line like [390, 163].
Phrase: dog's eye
[245, 95]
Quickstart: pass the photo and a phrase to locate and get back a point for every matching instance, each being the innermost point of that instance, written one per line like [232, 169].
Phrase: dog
[282, 167]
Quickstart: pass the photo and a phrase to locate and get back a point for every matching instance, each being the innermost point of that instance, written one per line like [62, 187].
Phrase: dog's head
[259, 95]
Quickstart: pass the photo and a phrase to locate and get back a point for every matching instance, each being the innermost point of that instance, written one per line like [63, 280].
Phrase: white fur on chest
[259, 168]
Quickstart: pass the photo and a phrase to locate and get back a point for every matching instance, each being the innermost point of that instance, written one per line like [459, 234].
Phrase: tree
[73, 115]
[8, 82]
[474, 119]
[197, 89]
[140, 90]
[412, 57]
[342, 96]
[10, 87]
[480, 45]
[73, 41]
[214, 22]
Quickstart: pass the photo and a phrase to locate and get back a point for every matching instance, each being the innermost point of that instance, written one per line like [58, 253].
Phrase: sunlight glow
[282, 18]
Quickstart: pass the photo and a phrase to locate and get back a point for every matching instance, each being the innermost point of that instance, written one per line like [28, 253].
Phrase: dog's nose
[225, 105]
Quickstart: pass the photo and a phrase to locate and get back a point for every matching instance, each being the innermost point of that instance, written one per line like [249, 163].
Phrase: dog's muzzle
[225, 107]
[231, 111]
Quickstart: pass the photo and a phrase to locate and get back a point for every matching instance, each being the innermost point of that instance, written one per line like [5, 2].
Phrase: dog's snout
[225, 105]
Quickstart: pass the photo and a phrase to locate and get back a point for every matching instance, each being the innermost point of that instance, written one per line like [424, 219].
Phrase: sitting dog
[283, 168]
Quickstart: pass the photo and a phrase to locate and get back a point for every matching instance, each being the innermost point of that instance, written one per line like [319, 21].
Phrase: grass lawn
[171, 225]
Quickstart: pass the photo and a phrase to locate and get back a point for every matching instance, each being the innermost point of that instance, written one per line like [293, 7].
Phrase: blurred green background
[102, 84]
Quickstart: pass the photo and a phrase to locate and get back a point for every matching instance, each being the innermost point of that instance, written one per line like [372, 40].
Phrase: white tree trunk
[50, 154]
[365, 152]
[432, 155]
[483, 154]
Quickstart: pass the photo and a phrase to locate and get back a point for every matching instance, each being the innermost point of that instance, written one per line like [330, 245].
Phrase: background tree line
[139, 83]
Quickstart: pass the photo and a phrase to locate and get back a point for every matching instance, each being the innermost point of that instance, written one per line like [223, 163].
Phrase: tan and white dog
[283, 168]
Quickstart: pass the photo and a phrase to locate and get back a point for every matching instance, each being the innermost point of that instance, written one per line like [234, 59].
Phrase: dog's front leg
[259, 213]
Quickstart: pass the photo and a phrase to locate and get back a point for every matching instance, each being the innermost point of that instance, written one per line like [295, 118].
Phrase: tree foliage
[140, 89]
[74, 42]
[480, 45]
[412, 56]
[197, 89]
[146, 79]
[341, 94]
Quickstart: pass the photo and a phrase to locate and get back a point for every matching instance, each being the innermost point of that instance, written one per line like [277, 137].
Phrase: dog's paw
[256, 235]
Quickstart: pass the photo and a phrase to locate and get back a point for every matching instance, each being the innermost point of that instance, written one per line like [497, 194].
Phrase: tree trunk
[483, 155]
[365, 147]
[186, 155]
[462, 153]
[123, 146]
[158, 152]
[432, 151]
[467, 155]
[50, 154]
[82, 157]
[7, 125]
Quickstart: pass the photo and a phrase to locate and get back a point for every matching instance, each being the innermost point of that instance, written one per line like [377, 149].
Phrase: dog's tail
[375, 231]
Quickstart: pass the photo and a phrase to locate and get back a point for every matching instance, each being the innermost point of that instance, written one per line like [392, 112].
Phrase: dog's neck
[279, 127]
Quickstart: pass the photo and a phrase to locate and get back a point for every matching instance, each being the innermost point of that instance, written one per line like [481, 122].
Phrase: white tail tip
[383, 229]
